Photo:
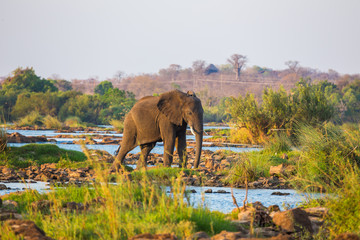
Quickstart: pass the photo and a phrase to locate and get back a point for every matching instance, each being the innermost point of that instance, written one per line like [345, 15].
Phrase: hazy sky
[86, 38]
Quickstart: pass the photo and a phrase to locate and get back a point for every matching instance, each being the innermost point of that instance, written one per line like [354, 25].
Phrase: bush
[278, 143]
[118, 125]
[32, 119]
[74, 122]
[323, 150]
[3, 139]
[52, 122]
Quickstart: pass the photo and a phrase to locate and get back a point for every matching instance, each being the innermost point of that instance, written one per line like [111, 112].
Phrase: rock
[317, 211]
[74, 206]
[280, 194]
[222, 191]
[27, 229]
[208, 190]
[148, 236]
[277, 170]
[193, 191]
[255, 213]
[10, 204]
[224, 235]
[3, 187]
[200, 236]
[265, 232]
[9, 215]
[41, 205]
[347, 236]
[293, 220]
[273, 208]
[19, 138]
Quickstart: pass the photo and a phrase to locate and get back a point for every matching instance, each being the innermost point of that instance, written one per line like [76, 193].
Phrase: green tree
[26, 80]
[103, 87]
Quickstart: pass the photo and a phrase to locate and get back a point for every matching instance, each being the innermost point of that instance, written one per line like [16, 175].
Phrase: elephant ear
[170, 105]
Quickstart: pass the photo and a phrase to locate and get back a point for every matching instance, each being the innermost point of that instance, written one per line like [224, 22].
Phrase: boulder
[27, 229]
[317, 211]
[255, 213]
[19, 138]
[293, 220]
[200, 236]
[224, 235]
[277, 170]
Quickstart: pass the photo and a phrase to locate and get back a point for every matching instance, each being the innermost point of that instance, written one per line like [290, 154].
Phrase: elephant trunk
[199, 139]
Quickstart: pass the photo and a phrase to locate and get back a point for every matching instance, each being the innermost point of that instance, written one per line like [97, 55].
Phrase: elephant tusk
[192, 131]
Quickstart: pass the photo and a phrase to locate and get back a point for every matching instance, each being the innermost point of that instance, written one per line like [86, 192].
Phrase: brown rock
[317, 211]
[224, 235]
[200, 236]
[27, 229]
[148, 236]
[293, 220]
[277, 170]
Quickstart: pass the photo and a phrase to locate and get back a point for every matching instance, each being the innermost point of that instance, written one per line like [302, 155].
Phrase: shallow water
[214, 201]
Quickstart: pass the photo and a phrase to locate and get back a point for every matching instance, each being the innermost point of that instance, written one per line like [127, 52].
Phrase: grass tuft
[52, 122]
[32, 119]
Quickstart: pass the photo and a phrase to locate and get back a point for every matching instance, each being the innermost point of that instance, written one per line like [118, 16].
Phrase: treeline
[26, 94]
[279, 111]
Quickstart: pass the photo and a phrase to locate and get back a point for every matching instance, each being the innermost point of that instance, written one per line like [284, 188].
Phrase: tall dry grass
[119, 210]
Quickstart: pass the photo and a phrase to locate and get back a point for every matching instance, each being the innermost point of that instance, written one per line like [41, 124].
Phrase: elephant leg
[145, 150]
[127, 144]
[169, 144]
[181, 149]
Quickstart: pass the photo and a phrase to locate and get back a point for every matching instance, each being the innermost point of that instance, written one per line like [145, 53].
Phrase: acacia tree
[198, 67]
[293, 66]
[238, 62]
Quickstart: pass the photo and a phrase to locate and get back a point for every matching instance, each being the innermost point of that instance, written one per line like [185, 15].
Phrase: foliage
[103, 87]
[27, 80]
[118, 125]
[32, 119]
[3, 140]
[74, 122]
[281, 111]
[37, 154]
[324, 149]
[120, 211]
[52, 122]
[116, 103]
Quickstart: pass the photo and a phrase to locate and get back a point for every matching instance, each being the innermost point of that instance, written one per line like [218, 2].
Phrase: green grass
[129, 208]
[37, 154]
[162, 174]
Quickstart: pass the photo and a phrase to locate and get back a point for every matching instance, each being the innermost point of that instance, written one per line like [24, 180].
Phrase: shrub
[117, 124]
[52, 122]
[3, 139]
[32, 119]
[74, 122]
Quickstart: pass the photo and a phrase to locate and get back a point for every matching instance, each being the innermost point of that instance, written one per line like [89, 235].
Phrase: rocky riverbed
[212, 171]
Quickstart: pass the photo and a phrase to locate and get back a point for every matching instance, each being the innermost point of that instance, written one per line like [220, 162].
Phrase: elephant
[162, 118]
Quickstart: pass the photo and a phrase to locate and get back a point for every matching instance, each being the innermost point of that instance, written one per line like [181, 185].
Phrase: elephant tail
[117, 150]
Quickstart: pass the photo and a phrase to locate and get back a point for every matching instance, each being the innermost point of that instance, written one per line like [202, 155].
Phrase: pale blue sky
[87, 38]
